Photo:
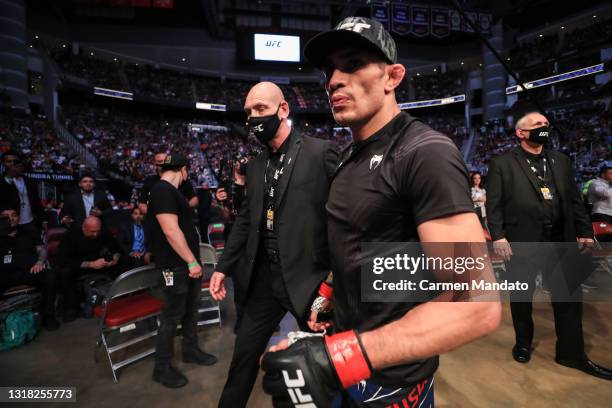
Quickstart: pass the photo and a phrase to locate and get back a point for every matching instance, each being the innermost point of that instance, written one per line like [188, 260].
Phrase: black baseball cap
[174, 161]
[352, 31]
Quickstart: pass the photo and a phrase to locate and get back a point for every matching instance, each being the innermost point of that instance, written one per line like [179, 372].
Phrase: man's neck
[281, 135]
[363, 131]
[86, 192]
[172, 178]
[531, 147]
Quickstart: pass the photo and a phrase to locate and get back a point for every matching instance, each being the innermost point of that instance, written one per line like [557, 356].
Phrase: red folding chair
[128, 302]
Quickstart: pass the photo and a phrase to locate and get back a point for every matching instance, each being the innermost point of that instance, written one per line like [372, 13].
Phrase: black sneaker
[169, 377]
[197, 356]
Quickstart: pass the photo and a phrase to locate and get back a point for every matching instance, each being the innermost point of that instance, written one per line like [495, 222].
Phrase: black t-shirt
[400, 177]
[166, 199]
[185, 188]
[18, 252]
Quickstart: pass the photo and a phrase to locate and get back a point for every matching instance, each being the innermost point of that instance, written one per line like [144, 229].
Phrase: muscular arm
[434, 327]
[176, 238]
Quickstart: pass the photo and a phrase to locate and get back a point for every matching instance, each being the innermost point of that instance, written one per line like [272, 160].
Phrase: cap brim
[321, 45]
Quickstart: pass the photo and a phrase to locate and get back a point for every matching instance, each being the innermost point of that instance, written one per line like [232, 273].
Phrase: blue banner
[420, 20]
[400, 18]
[440, 22]
[380, 13]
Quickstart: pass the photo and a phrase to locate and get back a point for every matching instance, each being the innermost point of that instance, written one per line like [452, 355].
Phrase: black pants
[182, 303]
[70, 286]
[266, 304]
[45, 281]
[567, 313]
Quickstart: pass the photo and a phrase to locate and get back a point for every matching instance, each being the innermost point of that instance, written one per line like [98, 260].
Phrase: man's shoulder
[557, 155]
[313, 141]
[419, 136]
[504, 157]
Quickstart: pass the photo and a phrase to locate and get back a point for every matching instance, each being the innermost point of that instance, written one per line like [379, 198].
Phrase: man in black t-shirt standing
[175, 246]
[387, 188]
[186, 188]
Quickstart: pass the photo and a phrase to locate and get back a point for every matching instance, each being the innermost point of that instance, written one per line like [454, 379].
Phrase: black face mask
[539, 135]
[264, 127]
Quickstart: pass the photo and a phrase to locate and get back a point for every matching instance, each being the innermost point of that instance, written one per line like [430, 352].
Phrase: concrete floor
[481, 374]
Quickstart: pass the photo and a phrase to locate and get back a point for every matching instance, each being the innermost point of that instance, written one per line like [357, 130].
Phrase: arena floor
[481, 374]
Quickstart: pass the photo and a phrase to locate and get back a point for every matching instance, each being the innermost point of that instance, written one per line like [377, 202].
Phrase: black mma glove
[313, 370]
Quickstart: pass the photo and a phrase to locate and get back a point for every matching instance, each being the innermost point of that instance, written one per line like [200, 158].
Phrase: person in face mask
[532, 197]
[277, 251]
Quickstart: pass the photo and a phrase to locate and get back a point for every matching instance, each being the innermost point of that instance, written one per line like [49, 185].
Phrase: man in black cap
[175, 247]
[185, 188]
[388, 188]
[84, 202]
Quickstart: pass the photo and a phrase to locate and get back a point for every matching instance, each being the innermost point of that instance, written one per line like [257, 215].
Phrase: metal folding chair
[208, 305]
[127, 302]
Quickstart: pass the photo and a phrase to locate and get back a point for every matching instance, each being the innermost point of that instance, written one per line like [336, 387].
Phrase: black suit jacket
[75, 208]
[299, 216]
[514, 199]
[10, 195]
[125, 237]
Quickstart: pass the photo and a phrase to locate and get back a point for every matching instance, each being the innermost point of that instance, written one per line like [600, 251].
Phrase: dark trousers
[567, 312]
[182, 301]
[70, 283]
[266, 304]
[45, 281]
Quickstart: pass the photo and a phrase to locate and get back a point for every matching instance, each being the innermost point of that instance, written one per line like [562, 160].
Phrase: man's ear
[395, 74]
[284, 110]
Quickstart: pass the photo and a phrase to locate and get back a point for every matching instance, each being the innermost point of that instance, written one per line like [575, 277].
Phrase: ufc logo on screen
[357, 27]
[276, 44]
[293, 387]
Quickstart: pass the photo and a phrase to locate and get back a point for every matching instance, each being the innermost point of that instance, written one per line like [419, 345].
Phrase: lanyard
[535, 171]
[271, 187]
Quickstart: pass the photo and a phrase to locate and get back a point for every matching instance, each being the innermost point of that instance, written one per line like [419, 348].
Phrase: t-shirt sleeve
[433, 178]
[187, 190]
[163, 200]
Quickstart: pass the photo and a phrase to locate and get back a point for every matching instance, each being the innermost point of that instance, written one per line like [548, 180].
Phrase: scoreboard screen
[272, 47]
